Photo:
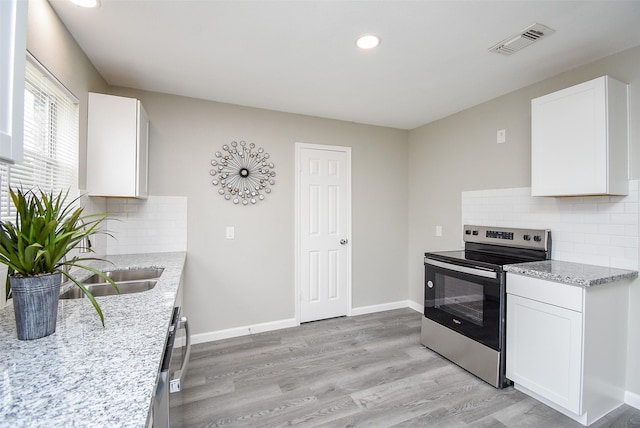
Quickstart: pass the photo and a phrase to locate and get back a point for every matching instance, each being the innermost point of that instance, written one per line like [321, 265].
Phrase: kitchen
[259, 262]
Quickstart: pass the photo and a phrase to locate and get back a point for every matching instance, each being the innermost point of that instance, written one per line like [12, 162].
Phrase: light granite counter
[86, 375]
[571, 273]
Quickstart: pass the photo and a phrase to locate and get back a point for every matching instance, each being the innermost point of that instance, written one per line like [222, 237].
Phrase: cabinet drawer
[553, 293]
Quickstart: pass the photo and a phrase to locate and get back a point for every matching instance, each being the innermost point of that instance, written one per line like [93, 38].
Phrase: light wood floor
[368, 370]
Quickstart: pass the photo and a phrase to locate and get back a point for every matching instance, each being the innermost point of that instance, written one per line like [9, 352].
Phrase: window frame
[51, 144]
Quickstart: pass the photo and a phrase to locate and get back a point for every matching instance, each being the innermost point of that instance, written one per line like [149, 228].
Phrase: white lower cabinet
[544, 346]
[566, 344]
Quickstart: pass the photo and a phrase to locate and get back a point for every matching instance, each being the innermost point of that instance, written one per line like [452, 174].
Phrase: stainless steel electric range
[465, 296]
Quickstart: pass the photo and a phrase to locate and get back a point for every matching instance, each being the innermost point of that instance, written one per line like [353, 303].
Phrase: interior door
[323, 281]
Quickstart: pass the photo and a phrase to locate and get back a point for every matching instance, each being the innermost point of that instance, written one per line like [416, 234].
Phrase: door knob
[344, 241]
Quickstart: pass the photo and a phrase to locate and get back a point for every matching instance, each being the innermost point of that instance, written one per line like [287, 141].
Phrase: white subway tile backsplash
[155, 224]
[624, 241]
[629, 230]
[601, 230]
[585, 228]
[611, 251]
[596, 239]
[626, 219]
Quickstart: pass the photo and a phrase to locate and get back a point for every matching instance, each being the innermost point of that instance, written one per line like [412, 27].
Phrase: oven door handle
[175, 384]
[463, 269]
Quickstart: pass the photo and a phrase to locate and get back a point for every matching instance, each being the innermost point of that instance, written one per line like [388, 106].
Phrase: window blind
[50, 140]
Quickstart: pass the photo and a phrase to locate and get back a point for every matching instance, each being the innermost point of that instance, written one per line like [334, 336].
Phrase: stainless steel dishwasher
[168, 381]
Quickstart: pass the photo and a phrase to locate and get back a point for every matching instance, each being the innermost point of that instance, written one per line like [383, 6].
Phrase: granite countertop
[85, 374]
[571, 273]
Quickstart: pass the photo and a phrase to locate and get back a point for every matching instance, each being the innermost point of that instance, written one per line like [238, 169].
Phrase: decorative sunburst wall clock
[243, 173]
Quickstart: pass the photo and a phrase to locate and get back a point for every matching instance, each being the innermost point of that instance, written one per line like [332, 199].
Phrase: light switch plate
[438, 230]
[231, 232]
[501, 136]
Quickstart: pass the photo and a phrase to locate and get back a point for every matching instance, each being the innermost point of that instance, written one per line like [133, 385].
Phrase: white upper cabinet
[117, 147]
[579, 140]
[13, 53]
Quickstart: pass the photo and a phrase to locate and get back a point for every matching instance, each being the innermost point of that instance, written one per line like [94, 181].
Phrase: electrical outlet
[501, 136]
[438, 230]
[231, 232]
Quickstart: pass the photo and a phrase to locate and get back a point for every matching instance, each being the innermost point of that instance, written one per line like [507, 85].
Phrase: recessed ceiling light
[368, 41]
[86, 3]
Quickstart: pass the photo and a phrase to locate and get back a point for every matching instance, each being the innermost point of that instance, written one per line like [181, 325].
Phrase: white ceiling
[300, 56]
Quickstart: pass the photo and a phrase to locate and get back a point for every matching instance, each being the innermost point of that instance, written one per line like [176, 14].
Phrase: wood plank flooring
[368, 370]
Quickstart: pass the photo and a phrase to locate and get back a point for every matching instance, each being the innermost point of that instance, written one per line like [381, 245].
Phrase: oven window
[461, 298]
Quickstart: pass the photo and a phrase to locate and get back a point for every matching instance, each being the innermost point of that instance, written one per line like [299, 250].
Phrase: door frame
[297, 215]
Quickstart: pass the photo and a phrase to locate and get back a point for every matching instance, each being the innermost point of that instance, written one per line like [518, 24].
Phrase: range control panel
[512, 237]
[499, 234]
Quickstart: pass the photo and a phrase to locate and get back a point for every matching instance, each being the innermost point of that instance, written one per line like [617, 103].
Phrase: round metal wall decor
[243, 173]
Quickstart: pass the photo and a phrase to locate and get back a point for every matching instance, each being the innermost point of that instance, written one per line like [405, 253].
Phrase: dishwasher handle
[178, 375]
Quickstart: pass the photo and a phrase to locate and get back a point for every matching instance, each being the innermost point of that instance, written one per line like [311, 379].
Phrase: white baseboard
[378, 308]
[632, 399]
[418, 307]
[286, 323]
[242, 331]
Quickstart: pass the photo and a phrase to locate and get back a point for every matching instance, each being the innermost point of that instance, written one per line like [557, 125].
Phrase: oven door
[467, 299]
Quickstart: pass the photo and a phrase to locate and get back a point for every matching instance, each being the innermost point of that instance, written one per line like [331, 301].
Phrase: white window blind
[50, 140]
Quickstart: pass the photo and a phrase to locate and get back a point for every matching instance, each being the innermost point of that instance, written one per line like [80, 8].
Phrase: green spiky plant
[45, 230]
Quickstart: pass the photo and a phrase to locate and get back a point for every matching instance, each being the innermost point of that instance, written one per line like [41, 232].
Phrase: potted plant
[35, 249]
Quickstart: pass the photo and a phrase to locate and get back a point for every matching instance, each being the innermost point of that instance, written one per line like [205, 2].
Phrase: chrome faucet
[65, 266]
[85, 245]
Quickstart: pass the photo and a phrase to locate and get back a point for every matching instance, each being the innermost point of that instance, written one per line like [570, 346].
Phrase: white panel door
[323, 204]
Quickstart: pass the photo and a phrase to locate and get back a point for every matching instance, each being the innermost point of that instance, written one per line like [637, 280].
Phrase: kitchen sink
[118, 275]
[106, 289]
[128, 281]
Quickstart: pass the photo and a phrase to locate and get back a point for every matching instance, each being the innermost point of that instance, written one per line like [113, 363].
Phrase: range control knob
[537, 238]
[527, 237]
[430, 284]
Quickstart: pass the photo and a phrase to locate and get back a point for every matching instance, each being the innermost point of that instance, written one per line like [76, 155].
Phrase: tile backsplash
[152, 225]
[599, 230]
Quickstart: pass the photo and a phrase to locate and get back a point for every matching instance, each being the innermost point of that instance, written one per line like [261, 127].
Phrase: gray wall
[459, 153]
[250, 280]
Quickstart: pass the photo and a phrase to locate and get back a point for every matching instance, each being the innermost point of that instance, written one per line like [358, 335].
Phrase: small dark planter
[35, 302]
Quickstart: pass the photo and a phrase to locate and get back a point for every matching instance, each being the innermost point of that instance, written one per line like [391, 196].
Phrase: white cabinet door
[579, 140]
[117, 147]
[544, 350]
[13, 53]
[142, 154]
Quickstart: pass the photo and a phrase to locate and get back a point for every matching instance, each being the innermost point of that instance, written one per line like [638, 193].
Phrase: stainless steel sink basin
[106, 289]
[118, 275]
[128, 281]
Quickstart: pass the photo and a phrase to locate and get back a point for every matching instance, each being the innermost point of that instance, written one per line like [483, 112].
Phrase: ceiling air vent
[529, 35]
